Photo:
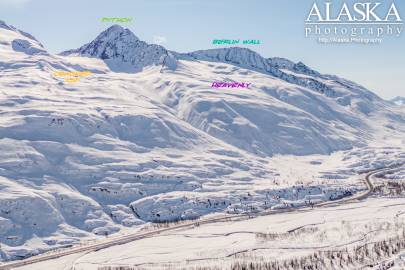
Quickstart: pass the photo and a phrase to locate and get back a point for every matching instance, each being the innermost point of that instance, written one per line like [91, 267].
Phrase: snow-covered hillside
[146, 138]
[398, 100]
[263, 240]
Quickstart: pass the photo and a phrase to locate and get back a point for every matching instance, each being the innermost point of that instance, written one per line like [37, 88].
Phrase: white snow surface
[399, 101]
[294, 234]
[154, 141]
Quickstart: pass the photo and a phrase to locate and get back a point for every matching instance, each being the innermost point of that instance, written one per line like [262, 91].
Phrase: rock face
[124, 52]
[21, 45]
[20, 41]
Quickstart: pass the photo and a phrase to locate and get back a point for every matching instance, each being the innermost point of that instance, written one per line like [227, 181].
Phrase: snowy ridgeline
[398, 101]
[116, 150]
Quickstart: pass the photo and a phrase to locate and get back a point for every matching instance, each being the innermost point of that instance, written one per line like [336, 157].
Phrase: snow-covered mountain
[253, 133]
[122, 51]
[398, 100]
[146, 138]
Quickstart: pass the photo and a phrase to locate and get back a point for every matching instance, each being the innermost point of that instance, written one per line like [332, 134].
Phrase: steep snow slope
[271, 117]
[19, 40]
[298, 74]
[398, 100]
[277, 115]
[118, 149]
[297, 104]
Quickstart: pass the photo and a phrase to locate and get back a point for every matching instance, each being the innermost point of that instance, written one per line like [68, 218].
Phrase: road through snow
[137, 236]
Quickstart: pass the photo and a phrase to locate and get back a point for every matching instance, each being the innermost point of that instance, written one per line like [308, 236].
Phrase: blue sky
[187, 25]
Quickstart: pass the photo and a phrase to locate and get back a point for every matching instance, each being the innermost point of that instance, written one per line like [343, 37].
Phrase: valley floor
[267, 238]
[283, 236]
